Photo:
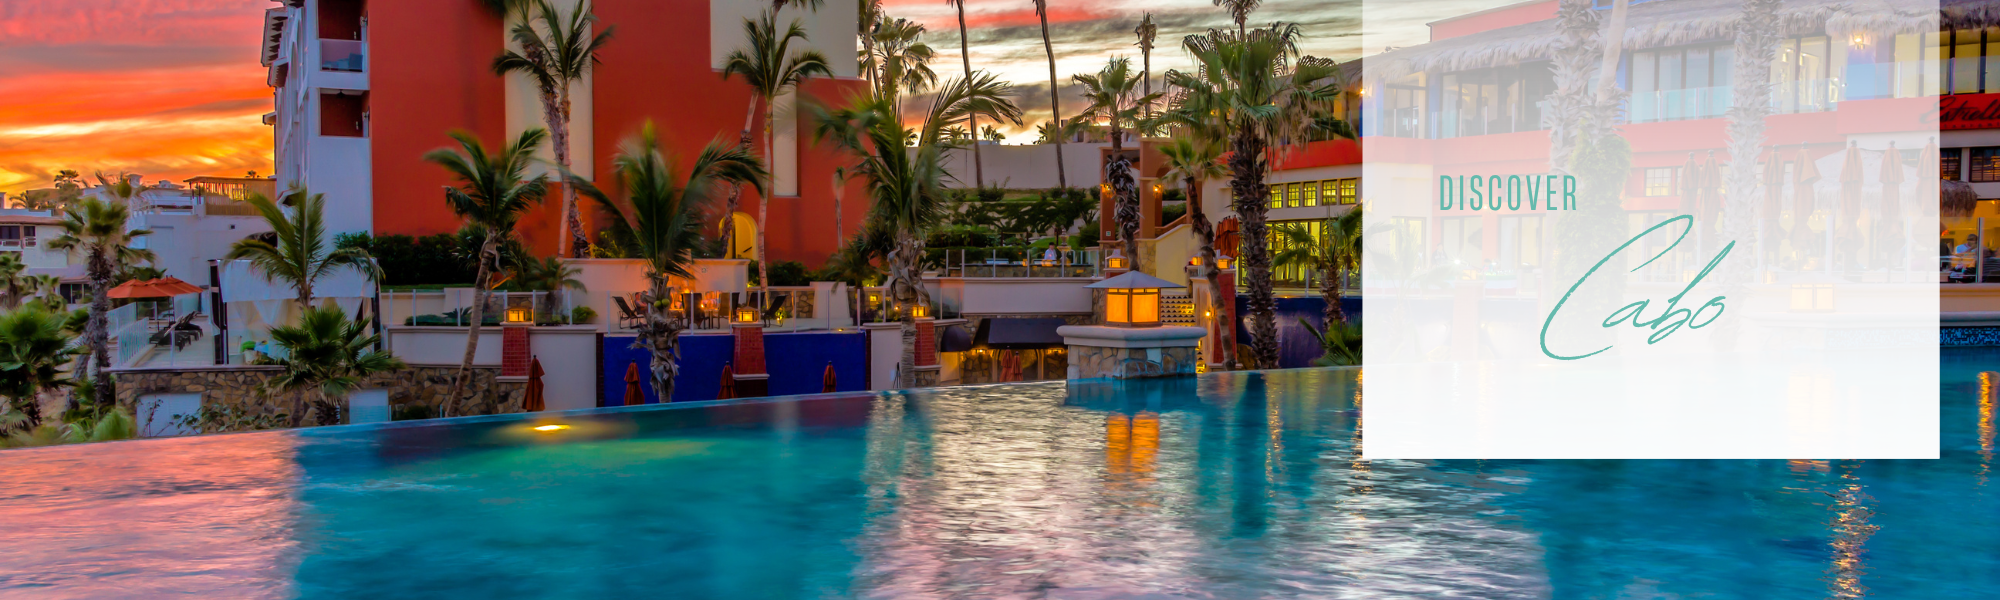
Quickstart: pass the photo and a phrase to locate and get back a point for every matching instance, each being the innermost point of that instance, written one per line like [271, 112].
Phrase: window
[1660, 181]
[1292, 191]
[1278, 196]
[74, 293]
[1985, 165]
[10, 236]
[1350, 190]
[1498, 100]
[1293, 276]
[1948, 167]
[343, 114]
[1310, 195]
[1681, 83]
[1403, 107]
[341, 23]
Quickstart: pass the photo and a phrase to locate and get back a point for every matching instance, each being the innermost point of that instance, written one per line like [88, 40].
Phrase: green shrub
[784, 273]
[582, 314]
[1171, 212]
[959, 236]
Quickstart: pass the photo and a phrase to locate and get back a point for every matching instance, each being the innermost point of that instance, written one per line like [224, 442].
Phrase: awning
[1019, 333]
[954, 338]
[165, 287]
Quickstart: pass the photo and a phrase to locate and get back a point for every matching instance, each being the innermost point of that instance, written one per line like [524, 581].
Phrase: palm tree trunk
[1205, 231]
[1119, 175]
[764, 212]
[572, 218]
[971, 120]
[907, 288]
[97, 331]
[1252, 202]
[736, 191]
[661, 334]
[479, 293]
[1055, 102]
[1329, 292]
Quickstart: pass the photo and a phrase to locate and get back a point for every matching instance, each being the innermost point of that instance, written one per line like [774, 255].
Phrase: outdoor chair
[627, 318]
[178, 334]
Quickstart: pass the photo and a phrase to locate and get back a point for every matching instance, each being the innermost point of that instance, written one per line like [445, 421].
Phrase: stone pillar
[1130, 352]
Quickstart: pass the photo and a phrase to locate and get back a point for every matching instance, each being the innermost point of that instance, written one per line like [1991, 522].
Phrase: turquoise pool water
[1239, 485]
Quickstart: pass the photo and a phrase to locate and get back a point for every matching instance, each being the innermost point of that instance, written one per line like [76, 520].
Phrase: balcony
[17, 243]
[342, 55]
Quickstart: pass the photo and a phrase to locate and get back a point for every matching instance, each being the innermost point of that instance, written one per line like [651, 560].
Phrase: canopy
[1001, 333]
[164, 287]
[1133, 280]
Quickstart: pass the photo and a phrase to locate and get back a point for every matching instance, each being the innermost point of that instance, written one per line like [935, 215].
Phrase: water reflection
[1233, 485]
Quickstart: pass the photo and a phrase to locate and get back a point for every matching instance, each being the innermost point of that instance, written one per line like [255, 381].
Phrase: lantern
[1158, 190]
[920, 311]
[1116, 260]
[1132, 299]
[1224, 263]
[746, 314]
[1194, 261]
[520, 308]
[519, 315]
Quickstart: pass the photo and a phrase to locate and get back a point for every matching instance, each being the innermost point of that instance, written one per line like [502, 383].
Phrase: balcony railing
[342, 55]
[18, 243]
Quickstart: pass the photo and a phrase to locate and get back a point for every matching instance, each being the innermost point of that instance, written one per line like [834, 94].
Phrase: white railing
[1019, 262]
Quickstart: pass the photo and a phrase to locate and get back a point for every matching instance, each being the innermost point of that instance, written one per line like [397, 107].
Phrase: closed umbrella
[1928, 174]
[1804, 200]
[534, 401]
[728, 383]
[1711, 188]
[1774, 191]
[1892, 192]
[826, 382]
[1851, 180]
[633, 395]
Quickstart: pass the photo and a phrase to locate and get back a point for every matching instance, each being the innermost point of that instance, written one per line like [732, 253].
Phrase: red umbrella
[534, 402]
[728, 383]
[1891, 221]
[1804, 200]
[633, 395]
[1774, 191]
[1851, 178]
[826, 381]
[164, 287]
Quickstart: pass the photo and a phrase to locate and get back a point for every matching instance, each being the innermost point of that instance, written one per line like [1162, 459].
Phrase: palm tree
[1334, 253]
[840, 177]
[124, 190]
[907, 185]
[33, 349]
[1192, 159]
[493, 193]
[301, 255]
[1245, 88]
[94, 231]
[972, 122]
[989, 134]
[901, 60]
[326, 356]
[555, 55]
[1239, 11]
[772, 70]
[14, 287]
[1147, 32]
[1055, 88]
[664, 212]
[1114, 96]
[549, 276]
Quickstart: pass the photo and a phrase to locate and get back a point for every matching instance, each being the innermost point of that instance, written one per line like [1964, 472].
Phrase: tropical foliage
[301, 255]
[326, 357]
[557, 50]
[94, 232]
[494, 191]
[1252, 88]
[33, 349]
[1334, 252]
[772, 69]
[906, 186]
[1114, 97]
[1055, 100]
[663, 209]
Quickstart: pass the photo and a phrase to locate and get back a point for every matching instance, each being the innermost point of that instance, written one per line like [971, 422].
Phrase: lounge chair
[627, 318]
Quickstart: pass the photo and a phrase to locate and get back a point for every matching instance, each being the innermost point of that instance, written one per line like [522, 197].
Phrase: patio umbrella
[1804, 201]
[1928, 175]
[164, 287]
[634, 396]
[1891, 221]
[826, 382]
[1851, 180]
[1711, 189]
[1774, 191]
[534, 402]
[728, 383]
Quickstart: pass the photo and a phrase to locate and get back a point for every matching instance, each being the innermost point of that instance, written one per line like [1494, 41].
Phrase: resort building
[363, 88]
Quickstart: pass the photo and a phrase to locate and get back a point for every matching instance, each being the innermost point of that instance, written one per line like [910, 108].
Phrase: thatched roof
[1969, 14]
[1650, 25]
[1956, 199]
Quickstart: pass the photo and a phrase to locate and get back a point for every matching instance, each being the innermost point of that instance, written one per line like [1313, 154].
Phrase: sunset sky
[171, 88]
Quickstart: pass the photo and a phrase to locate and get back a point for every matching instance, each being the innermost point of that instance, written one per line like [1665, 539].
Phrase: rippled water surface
[1234, 486]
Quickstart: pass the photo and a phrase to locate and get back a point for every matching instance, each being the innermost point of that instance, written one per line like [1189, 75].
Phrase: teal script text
[1670, 319]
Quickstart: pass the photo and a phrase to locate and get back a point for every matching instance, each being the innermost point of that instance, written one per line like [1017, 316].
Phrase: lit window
[1948, 163]
[1278, 196]
[1660, 181]
[1310, 196]
[1292, 191]
[1350, 191]
[1985, 165]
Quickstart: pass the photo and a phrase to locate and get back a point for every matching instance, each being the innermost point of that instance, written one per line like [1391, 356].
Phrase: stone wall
[1090, 362]
[243, 387]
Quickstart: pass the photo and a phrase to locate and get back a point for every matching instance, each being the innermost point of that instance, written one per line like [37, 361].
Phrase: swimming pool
[1236, 485]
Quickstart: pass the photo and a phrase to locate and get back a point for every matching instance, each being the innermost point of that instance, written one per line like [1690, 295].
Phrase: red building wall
[427, 75]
